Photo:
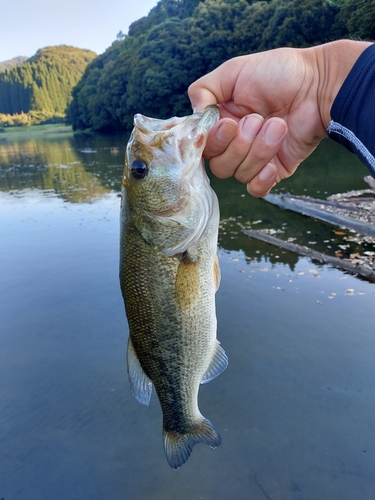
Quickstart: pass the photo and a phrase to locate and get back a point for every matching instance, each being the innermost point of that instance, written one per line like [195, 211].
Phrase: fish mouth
[179, 143]
[207, 118]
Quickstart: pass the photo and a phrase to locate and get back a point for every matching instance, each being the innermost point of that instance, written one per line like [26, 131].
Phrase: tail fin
[178, 447]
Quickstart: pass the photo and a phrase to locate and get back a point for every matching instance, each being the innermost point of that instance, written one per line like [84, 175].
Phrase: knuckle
[239, 149]
[215, 149]
[256, 191]
[219, 169]
[242, 175]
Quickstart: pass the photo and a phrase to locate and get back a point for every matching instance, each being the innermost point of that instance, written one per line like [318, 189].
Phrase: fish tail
[178, 446]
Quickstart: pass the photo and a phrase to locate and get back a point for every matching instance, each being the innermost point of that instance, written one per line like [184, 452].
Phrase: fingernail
[273, 133]
[251, 126]
[266, 173]
[226, 131]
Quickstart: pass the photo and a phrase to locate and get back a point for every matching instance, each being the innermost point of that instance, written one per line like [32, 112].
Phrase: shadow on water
[295, 407]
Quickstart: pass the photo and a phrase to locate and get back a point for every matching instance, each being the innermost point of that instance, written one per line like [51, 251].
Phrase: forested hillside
[149, 69]
[16, 61]
[41, 88]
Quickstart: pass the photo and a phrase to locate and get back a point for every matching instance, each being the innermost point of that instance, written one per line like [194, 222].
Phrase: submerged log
[344, 265]
[302, 206]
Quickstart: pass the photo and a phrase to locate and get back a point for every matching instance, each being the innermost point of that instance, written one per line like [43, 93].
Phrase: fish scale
[169, 274]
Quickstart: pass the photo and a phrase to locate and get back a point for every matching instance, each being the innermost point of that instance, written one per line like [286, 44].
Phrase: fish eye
[139, 169]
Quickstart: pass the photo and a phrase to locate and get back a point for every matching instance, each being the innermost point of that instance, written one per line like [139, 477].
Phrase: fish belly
[170, 306]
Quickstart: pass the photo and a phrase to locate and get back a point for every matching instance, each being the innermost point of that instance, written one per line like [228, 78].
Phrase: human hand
[274, 107]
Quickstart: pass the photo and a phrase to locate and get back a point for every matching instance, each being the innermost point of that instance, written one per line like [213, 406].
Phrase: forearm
[334, 62]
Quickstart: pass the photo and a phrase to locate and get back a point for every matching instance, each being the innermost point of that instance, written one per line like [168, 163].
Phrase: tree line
[16, 61]
[41, 88]
[149, 69]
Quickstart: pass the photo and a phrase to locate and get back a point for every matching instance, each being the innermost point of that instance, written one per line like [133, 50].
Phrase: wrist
[333, 64]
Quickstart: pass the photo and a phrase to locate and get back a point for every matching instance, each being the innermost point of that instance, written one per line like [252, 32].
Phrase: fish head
[166, 187]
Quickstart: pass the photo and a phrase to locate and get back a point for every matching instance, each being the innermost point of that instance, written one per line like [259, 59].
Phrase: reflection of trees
[234, 240]
[330, 169]
[48, 165]
[73, 183]
[18, 154]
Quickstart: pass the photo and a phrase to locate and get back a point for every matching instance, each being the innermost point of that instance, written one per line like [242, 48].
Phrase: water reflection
[331, 169]
[68, 167]
[82, 169]
[296, 405]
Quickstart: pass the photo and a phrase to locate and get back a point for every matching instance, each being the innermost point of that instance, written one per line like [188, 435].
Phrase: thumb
[216, 87]
[200, 96]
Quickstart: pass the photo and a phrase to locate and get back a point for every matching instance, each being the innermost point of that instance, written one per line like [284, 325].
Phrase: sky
[29, 25]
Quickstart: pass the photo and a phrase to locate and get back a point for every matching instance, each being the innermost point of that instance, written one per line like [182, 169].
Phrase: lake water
[296, 406]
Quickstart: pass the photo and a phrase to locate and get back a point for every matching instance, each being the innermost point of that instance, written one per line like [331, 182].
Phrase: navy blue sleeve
[353, 111]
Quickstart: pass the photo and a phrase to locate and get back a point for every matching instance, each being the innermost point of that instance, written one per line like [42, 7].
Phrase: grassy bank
[13, 133]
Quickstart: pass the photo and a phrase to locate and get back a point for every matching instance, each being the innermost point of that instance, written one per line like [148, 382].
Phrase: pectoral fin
[218, 364]
[187, 286]
[140, 384]
[217, 273]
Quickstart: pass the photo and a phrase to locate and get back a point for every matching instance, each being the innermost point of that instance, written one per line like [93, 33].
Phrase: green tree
[356, 18]
[299, 23]
[150, 70]
[44, 83]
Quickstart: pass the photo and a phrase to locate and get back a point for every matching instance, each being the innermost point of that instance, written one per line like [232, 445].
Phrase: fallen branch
[298, 204]
[344, 265]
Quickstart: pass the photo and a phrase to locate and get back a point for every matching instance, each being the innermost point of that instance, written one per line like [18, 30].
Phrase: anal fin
[218, 364]
[140, 384]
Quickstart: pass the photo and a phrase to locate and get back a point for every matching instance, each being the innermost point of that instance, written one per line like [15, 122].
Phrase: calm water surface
[296, 406]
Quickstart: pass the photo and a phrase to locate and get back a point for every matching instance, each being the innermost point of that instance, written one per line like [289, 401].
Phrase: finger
[227, 163]
[201, 98]
[215, 87]
[263, 149]
[219, 137]
[262, 184]
[202, 95]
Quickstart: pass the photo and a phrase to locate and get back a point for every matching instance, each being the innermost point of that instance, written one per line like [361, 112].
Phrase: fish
[169, 274]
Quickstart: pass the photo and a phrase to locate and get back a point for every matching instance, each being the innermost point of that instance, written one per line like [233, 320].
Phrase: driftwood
[370, 181]
[312, 207]
[344, 265]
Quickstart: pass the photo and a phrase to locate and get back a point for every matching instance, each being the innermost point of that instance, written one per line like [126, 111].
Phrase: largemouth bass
[169, 274]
